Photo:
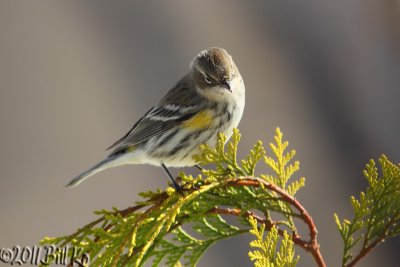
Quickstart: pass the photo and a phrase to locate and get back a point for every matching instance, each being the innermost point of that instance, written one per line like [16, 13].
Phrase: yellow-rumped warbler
[209, 99]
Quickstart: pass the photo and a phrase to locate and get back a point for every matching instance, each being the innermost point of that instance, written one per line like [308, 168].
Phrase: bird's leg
[176, 185]
[199, 167]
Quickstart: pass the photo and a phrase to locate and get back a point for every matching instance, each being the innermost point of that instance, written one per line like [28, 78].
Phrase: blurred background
[76, 75]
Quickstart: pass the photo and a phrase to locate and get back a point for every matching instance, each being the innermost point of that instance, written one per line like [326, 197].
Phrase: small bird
[208, 100]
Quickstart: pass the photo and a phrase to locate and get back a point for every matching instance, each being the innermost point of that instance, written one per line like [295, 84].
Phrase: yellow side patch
[201, 120]
[131, 149]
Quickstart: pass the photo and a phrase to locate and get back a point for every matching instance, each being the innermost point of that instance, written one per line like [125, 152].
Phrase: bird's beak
[226, 84]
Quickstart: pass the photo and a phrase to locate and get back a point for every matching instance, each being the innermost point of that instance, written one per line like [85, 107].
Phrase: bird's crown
[215, 64]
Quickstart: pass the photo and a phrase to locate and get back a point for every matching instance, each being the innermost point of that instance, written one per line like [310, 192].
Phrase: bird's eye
[208, 80]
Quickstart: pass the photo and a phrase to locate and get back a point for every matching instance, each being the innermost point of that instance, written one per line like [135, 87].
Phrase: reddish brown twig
[268, 223]
[312, 245]
[367, 249]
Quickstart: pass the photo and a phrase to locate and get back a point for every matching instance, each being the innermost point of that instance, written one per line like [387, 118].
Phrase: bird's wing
[161, 118]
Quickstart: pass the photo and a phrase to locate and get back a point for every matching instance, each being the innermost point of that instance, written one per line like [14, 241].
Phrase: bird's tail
[109, 162]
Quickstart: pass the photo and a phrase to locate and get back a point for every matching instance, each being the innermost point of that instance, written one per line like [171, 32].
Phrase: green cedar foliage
[266, 254]
[376, 212]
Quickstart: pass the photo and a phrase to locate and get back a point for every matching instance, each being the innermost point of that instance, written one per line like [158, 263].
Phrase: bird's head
[214, 72]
